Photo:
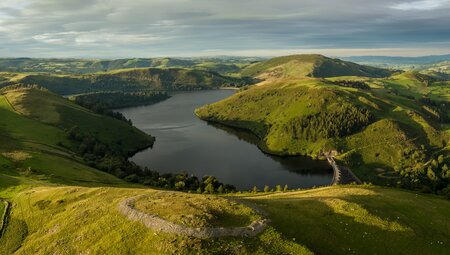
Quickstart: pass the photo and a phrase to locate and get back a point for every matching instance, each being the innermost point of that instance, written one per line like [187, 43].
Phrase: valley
[192, 156]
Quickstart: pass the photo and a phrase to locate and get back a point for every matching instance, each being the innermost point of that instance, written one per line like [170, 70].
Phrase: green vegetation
[387, 130]
[392, 131]
[127, 80]
[334, 220]
[98, 102]
[81, 66]
[361, 220]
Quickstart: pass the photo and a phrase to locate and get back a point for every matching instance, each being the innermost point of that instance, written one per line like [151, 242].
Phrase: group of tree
[341, 119]
[103, 102]
[432, 176]
[117, 99]
[267, 189]
[439, 109]
[352, 84]
[114, 161]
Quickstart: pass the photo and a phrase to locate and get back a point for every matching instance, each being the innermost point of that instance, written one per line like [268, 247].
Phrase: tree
[220, 189]
[209, 188]
[255, 189]
[266, 189]
[441, 159]
[180, 185]
[199, 190]
[278, 188]
[285, 188]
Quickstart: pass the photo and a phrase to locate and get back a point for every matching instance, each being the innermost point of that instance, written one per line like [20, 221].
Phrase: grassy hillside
[297, 66]
[334, 220]
[35, 144]
[131, 80]
[375, 128]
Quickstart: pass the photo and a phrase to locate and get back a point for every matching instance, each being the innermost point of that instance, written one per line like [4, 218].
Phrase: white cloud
[420, 5]
[87, 38]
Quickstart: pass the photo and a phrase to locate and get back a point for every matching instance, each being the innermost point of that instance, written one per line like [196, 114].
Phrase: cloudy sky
[149, 28]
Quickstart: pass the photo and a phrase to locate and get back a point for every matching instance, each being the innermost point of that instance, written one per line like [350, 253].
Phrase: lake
[186, 143]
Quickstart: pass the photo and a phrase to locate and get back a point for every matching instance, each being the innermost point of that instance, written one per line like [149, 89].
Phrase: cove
[186, 143]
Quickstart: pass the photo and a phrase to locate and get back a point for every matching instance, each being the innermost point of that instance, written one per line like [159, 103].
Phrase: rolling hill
[298, 66]
[221, 65]
[381, 127]
[141, 79]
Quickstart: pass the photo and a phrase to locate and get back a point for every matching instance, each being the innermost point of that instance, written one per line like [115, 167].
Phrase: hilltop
[298, 66]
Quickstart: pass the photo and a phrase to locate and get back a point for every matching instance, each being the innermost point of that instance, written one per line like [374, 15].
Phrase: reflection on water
[186, 143]
[298, 164]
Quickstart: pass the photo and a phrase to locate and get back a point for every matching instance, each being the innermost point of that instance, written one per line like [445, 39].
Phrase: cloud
[144, 28]
[421, 5]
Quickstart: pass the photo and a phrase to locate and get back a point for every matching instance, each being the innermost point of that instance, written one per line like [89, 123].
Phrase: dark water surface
[186, 143]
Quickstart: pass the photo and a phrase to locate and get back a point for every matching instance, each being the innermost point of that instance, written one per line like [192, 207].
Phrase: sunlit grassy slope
[334, 220]
[34, 144]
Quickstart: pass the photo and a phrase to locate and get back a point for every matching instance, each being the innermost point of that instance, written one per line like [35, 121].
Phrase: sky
[183, 28]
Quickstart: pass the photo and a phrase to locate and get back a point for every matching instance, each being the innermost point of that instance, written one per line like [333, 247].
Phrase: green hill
[34, 124]
[380, 133]
[298, 66]
[140, 79]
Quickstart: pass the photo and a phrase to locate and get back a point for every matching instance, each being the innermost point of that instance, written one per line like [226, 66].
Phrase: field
[334, 220]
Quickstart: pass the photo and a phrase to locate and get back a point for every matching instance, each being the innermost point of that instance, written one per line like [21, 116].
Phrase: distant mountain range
[399, 60]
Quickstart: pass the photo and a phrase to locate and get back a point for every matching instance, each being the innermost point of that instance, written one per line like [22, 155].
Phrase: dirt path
[126, 207]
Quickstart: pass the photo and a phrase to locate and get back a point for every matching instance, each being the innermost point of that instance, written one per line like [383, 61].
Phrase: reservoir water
[186, 143]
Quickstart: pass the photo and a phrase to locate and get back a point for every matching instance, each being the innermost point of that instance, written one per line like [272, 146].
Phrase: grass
[337, 220]
[32, 151]
[51, 109]
[361, 220]
[87, 220]
[197, 210]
